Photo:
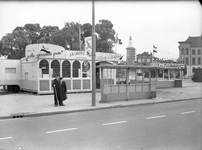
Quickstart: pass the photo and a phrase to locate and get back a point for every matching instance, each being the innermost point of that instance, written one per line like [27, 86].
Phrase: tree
[33, 32]
[13, 44]
[46, 32]
[106, 35]
[106, 38]
[58, 39]
[87, 29]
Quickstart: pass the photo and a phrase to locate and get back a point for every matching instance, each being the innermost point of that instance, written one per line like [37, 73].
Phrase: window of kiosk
[86, 69]
[66, 69]
[55, 67]
[76, 69]
[44, 69]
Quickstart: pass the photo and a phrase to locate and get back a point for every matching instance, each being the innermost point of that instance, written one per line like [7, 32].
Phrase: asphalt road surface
[165, 126]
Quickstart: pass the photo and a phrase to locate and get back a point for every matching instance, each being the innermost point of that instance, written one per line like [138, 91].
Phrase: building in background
[144, 59]
[190, 51]
[130, 52]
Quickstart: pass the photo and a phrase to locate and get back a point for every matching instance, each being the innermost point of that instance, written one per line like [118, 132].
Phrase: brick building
[144, 59]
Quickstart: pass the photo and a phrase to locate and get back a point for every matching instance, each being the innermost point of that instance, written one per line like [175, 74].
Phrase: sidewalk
[16, 105]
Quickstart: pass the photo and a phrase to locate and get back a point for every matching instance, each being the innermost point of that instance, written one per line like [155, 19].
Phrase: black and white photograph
[100, 75]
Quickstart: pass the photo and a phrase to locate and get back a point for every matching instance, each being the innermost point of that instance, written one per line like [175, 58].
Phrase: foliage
[12, 45]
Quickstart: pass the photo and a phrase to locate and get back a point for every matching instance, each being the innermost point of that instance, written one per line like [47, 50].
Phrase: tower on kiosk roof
[130, 52]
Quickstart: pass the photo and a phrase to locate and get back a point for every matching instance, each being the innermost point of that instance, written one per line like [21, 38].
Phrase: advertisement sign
[88, 45]
[44, 51]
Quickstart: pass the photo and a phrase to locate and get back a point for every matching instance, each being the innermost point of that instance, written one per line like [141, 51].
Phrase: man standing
[63, 90]
[57, 91]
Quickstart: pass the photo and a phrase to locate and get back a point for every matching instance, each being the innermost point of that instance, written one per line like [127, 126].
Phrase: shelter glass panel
[132, 74]
[146, 75]
[172, 74]
[120, 76]
[160, 74]
[66, 69]
[107, 74]
[139, 75]
[177, 74]
[153, 74]
[55, 68]
[44, 69]
[76, 69]
[165, 74]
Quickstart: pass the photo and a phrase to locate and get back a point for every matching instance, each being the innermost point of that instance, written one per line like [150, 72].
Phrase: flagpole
[79, 37]
[152, 56]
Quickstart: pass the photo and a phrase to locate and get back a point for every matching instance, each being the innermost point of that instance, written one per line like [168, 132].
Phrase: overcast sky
[163, 24]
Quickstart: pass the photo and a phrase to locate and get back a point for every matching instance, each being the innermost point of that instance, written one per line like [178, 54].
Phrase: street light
[93, 55]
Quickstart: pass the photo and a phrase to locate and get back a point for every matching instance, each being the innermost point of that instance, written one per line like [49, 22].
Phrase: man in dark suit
[63, 90]
[57, 91]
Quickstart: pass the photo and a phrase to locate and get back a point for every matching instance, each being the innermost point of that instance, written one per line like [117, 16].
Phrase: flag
[88, 45]
[121, 57]
[81, 39]
[154, 47]
[117, 40]
[154, 51]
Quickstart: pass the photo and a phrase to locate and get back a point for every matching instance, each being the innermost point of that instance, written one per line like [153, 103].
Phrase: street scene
[170, 121]
[117, 75]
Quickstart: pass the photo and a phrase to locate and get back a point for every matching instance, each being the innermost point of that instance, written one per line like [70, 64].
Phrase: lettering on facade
[167, 65]
[77, 53]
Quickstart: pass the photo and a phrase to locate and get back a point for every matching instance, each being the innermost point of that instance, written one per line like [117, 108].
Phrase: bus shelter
[140, 82]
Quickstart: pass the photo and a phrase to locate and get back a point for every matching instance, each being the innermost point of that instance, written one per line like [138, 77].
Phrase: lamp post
[93, 56]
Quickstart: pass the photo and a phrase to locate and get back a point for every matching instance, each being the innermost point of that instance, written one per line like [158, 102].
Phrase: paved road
[170, 126]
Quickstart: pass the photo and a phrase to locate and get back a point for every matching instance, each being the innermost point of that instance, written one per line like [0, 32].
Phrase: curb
[26, 115]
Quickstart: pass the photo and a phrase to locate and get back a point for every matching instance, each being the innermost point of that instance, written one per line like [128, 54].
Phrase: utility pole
[93, 55]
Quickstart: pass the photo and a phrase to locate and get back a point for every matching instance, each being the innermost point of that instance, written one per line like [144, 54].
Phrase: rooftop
[194, 41]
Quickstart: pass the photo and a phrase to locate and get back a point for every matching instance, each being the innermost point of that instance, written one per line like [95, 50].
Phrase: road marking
[6, 138]
[106, 124]
[62, 130]
[188, 112]
[156, 117]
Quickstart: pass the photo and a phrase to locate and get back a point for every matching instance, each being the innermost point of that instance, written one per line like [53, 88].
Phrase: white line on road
[106, 124]
[156, 117]
[5, 138]
[188, 112]
[62, 130]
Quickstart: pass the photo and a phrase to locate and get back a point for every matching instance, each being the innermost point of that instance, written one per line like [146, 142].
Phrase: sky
[159, 23]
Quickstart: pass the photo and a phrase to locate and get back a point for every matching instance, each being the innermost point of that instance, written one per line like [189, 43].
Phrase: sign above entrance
[44, 51]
